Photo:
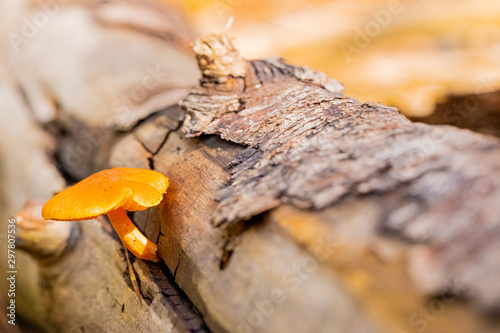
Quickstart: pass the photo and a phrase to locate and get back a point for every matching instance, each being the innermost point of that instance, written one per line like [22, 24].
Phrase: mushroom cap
[127, 188]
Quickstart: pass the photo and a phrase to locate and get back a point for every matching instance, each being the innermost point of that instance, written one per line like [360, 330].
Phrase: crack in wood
[188, 316]
[158, 126]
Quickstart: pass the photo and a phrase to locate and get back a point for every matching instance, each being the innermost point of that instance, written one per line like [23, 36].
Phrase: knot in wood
[217, 57]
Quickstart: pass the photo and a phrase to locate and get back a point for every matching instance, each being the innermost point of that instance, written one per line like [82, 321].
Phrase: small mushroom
[112, 192]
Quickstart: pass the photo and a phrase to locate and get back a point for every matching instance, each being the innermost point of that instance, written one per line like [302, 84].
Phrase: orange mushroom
[112, 192]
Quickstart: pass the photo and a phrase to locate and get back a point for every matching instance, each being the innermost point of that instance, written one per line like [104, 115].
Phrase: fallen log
[294, 208]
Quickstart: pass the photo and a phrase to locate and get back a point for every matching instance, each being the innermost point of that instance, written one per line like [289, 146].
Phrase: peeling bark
[311, 147]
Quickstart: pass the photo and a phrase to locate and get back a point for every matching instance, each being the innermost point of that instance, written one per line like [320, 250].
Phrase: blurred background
[436, 60]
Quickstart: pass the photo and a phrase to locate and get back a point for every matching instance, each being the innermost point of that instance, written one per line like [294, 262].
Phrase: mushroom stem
[133, 239]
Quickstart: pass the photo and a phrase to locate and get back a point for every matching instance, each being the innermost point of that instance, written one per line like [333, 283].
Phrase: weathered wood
[358, 196]
[310, 147]
[291, 208]
[25, 172]
[62, 89]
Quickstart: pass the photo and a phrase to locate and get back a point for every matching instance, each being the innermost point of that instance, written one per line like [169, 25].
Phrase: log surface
[291, 208]
[308, 146]
[356, 195]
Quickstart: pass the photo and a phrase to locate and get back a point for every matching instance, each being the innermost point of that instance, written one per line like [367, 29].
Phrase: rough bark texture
[310, 147]
[402, 197]
[292, 208]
